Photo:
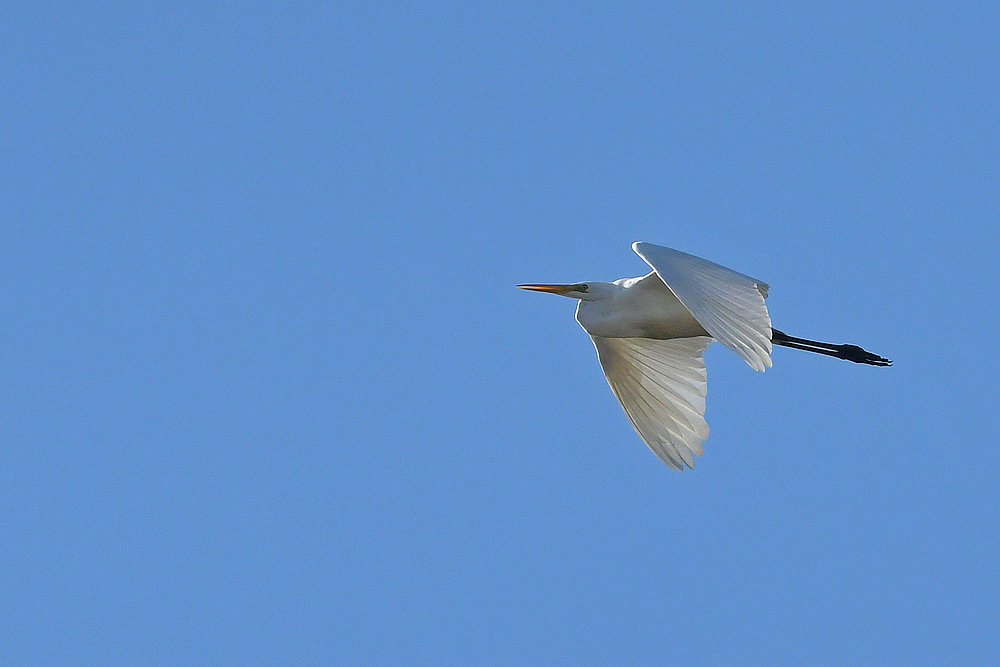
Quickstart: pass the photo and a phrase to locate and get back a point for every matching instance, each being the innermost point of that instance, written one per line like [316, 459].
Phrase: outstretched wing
[728, 305]
[662, 386]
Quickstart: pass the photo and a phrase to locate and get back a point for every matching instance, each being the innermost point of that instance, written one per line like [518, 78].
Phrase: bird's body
[637, 308]
[650, 333]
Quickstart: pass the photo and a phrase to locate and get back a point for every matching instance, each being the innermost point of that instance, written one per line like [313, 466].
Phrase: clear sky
[270, 395]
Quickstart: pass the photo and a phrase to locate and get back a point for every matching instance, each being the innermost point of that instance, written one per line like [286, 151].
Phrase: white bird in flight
[650, 333]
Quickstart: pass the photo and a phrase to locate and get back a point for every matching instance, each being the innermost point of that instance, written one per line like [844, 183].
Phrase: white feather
[662, 385]
[727, 304]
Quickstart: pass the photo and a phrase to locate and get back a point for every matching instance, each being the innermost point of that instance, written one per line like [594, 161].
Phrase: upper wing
[662, 386]
[729, 305]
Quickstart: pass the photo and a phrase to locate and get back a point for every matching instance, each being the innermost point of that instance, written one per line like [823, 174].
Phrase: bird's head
[583, 291]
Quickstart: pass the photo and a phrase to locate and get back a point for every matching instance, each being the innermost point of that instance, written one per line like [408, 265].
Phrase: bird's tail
[849, 352]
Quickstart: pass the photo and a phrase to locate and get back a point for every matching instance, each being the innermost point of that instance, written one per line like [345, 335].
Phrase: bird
[651, 332]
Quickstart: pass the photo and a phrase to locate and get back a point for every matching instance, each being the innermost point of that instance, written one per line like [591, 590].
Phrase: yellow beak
[552, 289]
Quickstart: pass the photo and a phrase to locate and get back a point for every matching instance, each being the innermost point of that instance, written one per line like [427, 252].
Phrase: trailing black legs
[849, 352]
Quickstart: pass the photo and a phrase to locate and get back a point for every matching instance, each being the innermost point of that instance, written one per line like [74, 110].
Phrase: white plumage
[651, 332]
[729, 305]
[662, 386]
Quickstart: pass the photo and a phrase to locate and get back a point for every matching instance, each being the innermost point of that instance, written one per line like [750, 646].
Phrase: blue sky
[271, 397]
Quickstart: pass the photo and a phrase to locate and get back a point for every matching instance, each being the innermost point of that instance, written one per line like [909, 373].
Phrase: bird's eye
[582, 287]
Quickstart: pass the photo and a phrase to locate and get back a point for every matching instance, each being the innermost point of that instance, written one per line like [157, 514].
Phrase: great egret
[650, 333]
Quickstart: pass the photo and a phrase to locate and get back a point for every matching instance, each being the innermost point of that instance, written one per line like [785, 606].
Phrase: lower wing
[661, 384]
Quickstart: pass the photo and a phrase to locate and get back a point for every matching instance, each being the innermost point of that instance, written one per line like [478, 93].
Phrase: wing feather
[662, 385]
[729, 305]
